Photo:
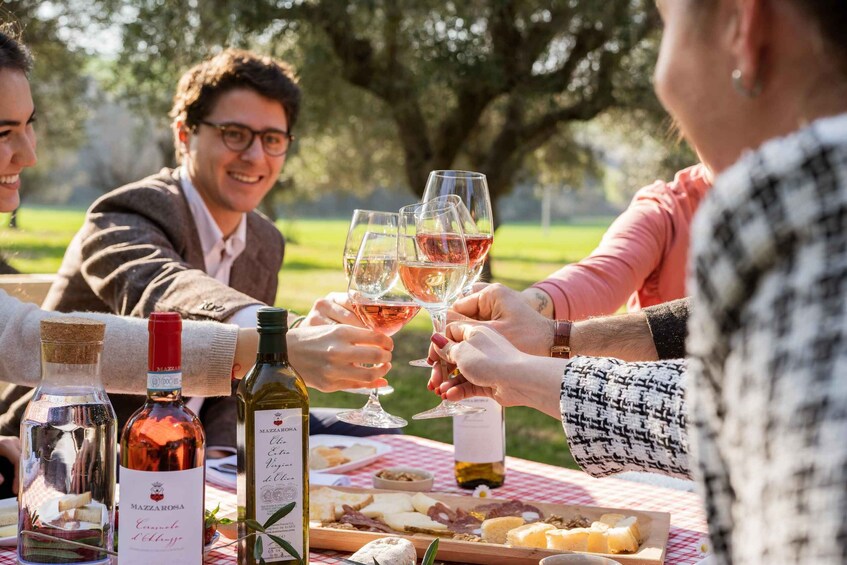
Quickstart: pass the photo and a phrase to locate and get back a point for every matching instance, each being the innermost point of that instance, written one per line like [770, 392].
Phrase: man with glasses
[189, 239]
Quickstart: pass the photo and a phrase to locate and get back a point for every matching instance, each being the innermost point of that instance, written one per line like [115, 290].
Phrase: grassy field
[521, 255]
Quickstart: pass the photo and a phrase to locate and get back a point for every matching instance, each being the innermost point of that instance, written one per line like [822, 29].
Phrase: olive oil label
[161, 517]
[279, 477]
[478, 438]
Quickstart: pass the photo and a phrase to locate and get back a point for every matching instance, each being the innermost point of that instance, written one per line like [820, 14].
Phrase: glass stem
[373, 405]
[439, 324]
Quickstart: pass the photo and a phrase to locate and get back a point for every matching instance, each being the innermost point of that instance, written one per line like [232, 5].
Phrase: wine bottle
[162, 473]
[273, 439]
[479, 444]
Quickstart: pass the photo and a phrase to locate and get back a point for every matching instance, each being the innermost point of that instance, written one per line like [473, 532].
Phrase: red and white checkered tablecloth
[526, 480]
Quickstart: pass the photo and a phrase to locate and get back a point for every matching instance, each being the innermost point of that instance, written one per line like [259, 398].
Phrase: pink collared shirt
[642, 257]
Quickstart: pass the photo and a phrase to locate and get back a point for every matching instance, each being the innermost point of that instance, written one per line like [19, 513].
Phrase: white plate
[347, 441]
[11, 541]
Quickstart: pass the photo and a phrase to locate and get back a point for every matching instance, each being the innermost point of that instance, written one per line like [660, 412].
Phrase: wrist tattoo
[543, 301]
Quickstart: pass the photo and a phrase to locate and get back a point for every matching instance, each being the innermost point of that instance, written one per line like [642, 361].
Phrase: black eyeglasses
[238, 137]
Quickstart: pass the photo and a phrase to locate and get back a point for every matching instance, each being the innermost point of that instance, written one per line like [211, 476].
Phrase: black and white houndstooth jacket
[767, 371]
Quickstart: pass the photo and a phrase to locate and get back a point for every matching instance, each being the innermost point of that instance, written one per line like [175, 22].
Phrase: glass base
[448, 409]
[382, 391]
[372, 418]
[420, 363]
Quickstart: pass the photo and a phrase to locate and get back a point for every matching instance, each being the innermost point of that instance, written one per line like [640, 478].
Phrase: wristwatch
[561, 339]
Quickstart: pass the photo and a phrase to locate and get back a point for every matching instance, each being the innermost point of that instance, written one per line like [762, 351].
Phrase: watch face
[561, 351]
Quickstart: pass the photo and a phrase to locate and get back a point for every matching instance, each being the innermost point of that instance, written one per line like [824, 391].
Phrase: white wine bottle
[273, 439]
[479, 444]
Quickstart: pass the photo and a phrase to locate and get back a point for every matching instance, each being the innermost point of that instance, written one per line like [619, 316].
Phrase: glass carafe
[68, 450]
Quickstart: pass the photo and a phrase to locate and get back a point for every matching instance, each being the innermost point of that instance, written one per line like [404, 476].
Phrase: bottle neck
[272, 347]
[82, 375]
[164, 384]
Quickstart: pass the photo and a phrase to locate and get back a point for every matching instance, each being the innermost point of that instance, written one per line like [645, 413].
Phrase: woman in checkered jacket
[760, 87]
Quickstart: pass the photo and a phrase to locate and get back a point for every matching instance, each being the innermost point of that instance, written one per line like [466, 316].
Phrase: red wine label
[161, 517]
[480, 437]
[279, 477]
[164, 380]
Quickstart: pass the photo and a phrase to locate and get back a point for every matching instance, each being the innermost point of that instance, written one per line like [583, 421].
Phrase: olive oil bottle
[273, 440]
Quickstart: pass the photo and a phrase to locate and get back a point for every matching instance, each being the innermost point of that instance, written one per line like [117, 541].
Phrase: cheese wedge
[335, 500]
[631, 522]
[358, 451]
[388, 504]
[423, 503]
[402, 521]
[494, 530]
[621, 540]
[74, 501]
[575, 539]
[611, 519]
[529, 535]
[598, 541]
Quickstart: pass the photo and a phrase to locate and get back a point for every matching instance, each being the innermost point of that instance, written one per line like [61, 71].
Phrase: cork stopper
[72, 340]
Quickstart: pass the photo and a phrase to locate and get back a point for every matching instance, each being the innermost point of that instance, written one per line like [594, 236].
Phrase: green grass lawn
[521, 255]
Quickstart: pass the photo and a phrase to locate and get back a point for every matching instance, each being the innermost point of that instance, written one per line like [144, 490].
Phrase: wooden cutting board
[655, 525]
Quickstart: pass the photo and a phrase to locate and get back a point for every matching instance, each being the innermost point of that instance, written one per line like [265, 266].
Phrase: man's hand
[331, 357]
[507, 312]
[10, 448]
[334, 308]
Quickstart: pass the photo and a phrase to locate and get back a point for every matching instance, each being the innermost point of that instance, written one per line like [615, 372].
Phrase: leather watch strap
[561, 340]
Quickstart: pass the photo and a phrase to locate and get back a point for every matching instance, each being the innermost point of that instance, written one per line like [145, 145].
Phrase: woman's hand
[491, 366]
[10, 448]
[334, 308]
[331, 357]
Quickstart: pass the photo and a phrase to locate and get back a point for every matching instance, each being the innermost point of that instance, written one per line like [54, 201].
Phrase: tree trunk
[6, 268]
[13, 219]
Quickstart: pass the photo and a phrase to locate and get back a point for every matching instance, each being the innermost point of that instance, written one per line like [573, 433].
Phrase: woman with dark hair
[760, 88]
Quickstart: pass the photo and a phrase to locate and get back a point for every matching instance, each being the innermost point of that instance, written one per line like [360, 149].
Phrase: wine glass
[478, 225]
[383, 305]
[433, 265]
[364, 221]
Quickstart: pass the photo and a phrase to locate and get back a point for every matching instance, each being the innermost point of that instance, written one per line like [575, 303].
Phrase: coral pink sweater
[642, 256]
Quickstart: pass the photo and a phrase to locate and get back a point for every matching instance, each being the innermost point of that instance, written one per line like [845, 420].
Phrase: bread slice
[8, 515]
[402, 521]
[358, 451]
[621, 540]
[494, 530]
[529, 535]
[89, 513]
[423, 503]
[322, 511]
[74, 501]
[575, 539]
[388, 504]
[324, 457]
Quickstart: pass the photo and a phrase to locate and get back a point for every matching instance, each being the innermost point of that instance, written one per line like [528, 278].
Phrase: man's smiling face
[234, 182]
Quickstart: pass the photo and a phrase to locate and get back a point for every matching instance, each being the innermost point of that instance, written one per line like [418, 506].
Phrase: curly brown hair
[200, 87]
[13, 53]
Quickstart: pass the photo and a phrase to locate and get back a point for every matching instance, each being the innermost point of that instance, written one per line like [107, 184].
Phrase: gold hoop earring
[738, 84]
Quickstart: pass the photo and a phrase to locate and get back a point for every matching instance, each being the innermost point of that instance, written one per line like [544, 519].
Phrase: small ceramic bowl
[577, 559]
[407, 478]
